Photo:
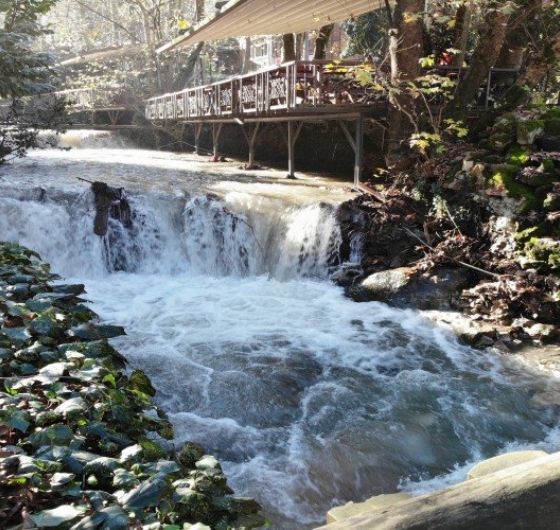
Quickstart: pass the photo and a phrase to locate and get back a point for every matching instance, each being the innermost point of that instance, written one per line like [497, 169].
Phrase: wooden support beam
[216, 132]
[197, 132]
[251, 136]
[357, 143]
[290, 141]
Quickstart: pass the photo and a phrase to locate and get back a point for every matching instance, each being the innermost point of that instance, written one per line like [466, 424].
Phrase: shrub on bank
[80, 438]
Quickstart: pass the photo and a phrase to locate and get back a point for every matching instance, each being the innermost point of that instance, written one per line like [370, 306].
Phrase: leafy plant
[82, 445]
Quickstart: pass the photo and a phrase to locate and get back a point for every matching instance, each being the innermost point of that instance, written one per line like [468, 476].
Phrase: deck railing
[293, 85]
[88, 98]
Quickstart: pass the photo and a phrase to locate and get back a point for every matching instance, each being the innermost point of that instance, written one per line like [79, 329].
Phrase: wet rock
[504, 461]
[378, 502]
[408, 287]
[346, 274]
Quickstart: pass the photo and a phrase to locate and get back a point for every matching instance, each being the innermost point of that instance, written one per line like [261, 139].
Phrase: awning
[243, 18]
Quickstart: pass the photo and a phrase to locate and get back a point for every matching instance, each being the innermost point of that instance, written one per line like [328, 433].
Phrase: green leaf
[124, 479]
[19, 336]
[61, 480]
[20, 420]
[138, 380]
[148, 493]
[110, 518]
[93, 332]
[57, 516]
[53, 435]
[71, 407]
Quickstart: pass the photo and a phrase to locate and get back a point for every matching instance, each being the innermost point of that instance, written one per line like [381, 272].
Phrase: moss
[531, 125]
[542, 252]
[552, 127]
[525, 235]
[504, 179]
[552, 114]
[518, 156]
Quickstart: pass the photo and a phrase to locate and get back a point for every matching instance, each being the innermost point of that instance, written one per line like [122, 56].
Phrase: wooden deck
[302, 89]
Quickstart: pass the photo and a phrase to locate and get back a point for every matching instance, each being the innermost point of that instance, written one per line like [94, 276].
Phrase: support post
[197, 132]
[251, 137]
[357, 143]
[291, 158]
[359, 154]
[290, 141]
[216, 131]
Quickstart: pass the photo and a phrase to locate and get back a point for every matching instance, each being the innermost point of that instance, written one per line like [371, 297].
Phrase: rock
[378, 502]
[346, 274]
[502, 462]
[484, 342]
[467, 330]
[552, 202]
[526, 495]
[408, 287]
[503, 133]
[528, 131]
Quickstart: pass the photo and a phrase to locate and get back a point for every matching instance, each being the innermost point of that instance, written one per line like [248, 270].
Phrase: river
[308, 399]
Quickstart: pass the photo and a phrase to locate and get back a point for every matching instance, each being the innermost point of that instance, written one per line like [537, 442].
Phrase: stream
[308, 399]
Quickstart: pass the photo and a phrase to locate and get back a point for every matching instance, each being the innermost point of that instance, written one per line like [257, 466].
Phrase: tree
[492, 37]
[538, 21]
[406, 50]
[322, 41]
[24, 73]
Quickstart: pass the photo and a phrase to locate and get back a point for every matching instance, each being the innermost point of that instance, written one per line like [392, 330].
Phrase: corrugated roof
[243, 18]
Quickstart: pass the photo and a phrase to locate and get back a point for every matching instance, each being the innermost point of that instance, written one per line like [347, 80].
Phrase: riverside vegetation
[82, 444]
[474, 229]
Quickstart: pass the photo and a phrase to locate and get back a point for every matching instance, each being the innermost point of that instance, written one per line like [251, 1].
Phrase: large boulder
[411, 288]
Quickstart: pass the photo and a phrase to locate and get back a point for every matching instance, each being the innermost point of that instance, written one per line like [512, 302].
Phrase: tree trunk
[406, 51]
[246, 56]
[322, 41]
[185, 75]
[484, 57]
[288, 48]
[462, 28]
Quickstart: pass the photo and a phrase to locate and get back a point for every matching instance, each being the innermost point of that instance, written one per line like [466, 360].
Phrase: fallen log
[526, 496]
[109, 202]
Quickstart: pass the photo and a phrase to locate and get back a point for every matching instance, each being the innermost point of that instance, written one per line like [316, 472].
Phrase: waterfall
[308, 399]
[199, 234]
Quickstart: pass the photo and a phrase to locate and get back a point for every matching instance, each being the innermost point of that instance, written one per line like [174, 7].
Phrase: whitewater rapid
[308, 399]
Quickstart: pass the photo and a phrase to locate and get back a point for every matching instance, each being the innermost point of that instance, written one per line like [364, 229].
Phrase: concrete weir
[515, 490]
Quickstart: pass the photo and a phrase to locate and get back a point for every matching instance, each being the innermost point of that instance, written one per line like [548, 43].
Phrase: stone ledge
[524, 496]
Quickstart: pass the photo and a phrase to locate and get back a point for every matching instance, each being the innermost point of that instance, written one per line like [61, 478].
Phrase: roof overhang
[243, 18]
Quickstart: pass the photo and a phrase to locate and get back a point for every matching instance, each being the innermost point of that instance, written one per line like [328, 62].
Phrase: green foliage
[367, 33]
[25, 73]
[80, 440]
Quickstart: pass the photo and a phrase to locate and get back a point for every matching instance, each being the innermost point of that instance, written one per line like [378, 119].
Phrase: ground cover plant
[82, 444]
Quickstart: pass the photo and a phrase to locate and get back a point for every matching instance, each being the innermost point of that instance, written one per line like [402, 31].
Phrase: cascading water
[308, 399]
